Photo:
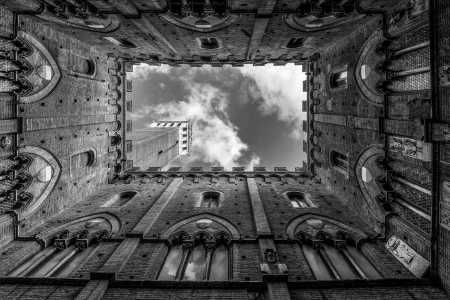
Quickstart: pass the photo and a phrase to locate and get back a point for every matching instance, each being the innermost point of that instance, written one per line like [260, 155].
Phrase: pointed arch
[366, 171]
[45, 74]
[232, 230]
[294, 224]
[42, 184]
[46, 234]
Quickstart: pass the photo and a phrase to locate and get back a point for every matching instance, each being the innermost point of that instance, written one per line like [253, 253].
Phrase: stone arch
[294, 224]
[365, 73]
[307, 21]
[40, 190]
[187, 17]
[45, 73]
[48, 233]
[234, 232]
[366, 172]
[91, 21]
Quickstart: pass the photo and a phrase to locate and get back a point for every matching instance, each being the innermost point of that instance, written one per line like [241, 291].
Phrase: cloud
[215, 139]
[144, 71]
[278, 90]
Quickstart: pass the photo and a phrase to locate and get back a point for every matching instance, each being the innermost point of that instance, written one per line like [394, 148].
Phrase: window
[130, 106]
[83, 66]
[219, 6]
[129, 146]
[45, 174]
[338, 80]
[115, 140]
[69, 250]
[176, 7]
[297, 200]
[295, 43]
[339, 161]
[206, 258]
[45, 72]
[326, 251]
[210, 199]
[83, 159]
[209, 43]
[120, 42]
[120, 199]
[81, 163]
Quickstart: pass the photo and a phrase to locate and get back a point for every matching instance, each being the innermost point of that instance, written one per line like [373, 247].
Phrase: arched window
[297, 200]
[82, 159]
[339, 161]
[202, 256]
[338, 80]
[120, 199]
[295, 42]
[83, 66]
[209, 43]
[331, 253]
[80, 163]
[210, 199]
[45, 174]
[69, 249]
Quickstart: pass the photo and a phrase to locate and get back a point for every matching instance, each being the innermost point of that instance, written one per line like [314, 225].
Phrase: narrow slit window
[121, 42]
[339, 161]
[338, 80]
[209, 43]
[295, 42]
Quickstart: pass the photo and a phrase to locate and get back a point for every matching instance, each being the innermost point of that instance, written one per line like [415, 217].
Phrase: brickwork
[372, 293]
[15, 291]
[381, 48]
[443, 113]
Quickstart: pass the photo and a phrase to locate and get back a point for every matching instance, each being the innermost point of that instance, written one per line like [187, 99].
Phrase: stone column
[274, 273]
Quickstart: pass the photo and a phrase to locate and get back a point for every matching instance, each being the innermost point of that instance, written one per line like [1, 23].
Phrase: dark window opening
[176, 7]
[197, 7]
[338, 80]
[339, 161]
[122, 42]
[210, 199]
[295, 43]
[219, 6]
[297, 200]
[209, 43]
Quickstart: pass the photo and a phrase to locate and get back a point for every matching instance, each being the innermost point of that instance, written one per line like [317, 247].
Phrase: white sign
[407, 256]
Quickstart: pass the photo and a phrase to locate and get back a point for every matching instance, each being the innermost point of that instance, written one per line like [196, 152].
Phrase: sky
[241, 116]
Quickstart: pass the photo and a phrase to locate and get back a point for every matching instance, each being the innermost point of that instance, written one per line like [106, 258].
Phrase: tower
[159, 144]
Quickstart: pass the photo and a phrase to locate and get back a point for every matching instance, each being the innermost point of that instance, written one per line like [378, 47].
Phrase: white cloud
[276, 89]
[215, 138]
[280, 89]
[143, 71]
